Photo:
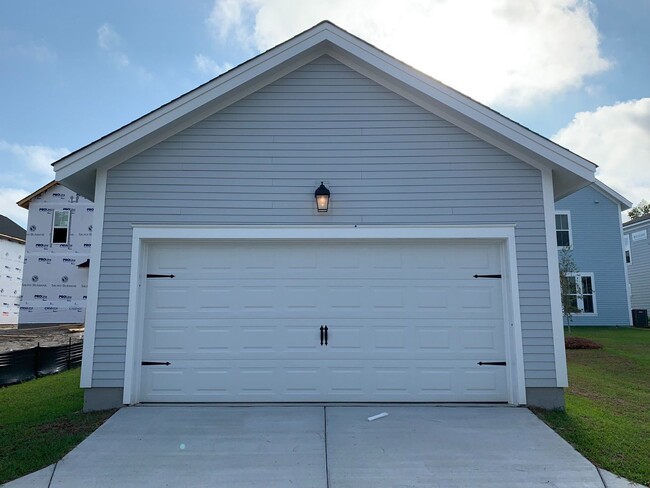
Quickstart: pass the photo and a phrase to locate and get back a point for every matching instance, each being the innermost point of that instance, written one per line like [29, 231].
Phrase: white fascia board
[477, 113]
[636, 225]
[561, 374]
[613, 195]
[295, 52]
[448, 103]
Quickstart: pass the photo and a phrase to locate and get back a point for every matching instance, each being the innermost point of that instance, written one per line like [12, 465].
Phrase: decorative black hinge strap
[491, 363]
[155, 363]
[149, 275]
[487, 276]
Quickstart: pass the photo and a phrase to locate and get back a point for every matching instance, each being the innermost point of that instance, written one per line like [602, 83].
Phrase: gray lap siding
[386, 161]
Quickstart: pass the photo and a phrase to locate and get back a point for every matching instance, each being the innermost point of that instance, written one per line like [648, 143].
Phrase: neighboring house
[431, 277]
[589, 223]
[12, 250]
[57, 253]
[637, 256]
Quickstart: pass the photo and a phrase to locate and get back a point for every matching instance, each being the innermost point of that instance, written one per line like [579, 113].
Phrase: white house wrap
[12, 250]
[54, 287]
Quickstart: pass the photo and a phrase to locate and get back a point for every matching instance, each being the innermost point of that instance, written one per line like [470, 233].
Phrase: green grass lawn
[41, 421]
[607, 415]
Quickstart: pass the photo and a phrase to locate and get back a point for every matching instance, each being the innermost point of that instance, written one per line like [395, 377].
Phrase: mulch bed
[580, 343]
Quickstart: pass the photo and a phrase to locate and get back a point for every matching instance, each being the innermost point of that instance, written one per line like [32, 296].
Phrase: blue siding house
[637, 257]
[589, 222]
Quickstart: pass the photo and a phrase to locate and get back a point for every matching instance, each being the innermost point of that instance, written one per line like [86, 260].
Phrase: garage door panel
[409, 300]
[252, 381]
[240, 321]
[300, 338]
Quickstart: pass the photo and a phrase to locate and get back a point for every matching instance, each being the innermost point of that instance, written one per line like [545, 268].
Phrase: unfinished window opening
[60, 227]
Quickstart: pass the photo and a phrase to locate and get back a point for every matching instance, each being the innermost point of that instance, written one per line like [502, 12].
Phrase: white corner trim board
[561, 373]
[146, 235]
[93, 281]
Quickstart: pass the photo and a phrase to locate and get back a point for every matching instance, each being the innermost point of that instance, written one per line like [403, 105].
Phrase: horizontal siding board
[386, 160]
[103, 378]
[539, 383]
[537, 374]
[538, 365]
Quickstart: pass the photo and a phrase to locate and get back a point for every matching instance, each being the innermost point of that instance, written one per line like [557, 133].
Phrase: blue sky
[576, 71]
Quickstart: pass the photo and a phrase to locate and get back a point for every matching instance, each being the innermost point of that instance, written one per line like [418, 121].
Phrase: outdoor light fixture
[322, 195]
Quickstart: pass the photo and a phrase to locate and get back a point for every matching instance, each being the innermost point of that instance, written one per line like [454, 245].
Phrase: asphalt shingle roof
[638, 219]
[11, 229]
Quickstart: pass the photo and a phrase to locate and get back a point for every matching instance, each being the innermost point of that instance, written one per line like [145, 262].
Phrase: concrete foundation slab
[450, 447]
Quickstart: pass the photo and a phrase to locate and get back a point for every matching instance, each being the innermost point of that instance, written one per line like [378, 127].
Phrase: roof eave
[24, 203]
[570, 171]
[614, 195]
[12, 238]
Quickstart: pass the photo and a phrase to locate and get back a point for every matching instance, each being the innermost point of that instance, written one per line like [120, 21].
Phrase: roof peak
[570, 172]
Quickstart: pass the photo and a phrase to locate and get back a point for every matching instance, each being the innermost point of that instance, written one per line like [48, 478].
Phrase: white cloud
[113, 44]
[14, 45]
[232, 18]
[36, 159]
[617, 138]
[208, 66]
[24, 169]
[504, 52]
[8, 207]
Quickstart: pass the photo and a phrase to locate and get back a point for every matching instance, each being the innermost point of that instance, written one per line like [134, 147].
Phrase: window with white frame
[60, 227]
[582, 293]
[563, 229]
[627, 249]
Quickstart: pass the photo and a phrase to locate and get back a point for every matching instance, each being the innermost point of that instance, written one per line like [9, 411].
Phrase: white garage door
[241, 322]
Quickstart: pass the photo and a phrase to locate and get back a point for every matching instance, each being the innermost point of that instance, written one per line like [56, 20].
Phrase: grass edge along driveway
[41, 421]
[607, 417]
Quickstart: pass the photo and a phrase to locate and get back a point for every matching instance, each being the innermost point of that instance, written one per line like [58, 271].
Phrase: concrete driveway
[311, 446]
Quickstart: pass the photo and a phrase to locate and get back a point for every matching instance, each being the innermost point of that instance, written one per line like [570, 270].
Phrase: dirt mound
[16, 339]
[581, 343]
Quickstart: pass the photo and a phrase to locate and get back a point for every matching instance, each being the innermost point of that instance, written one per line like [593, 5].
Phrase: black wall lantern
[322, 195]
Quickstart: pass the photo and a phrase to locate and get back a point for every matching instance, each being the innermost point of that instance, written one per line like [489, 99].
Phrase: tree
[569, 287]
[643, 208]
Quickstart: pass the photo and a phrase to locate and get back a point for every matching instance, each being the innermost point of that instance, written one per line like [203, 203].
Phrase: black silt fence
[27, 364]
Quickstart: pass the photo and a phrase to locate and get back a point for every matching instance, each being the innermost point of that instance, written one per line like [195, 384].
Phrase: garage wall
[386, 161]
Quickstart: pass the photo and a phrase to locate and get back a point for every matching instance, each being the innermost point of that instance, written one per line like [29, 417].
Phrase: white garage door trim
[143, 235]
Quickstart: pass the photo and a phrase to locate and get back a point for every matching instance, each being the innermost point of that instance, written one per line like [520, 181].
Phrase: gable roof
[25, 201]
[78, 169]
[613, 195]
[11, 230]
